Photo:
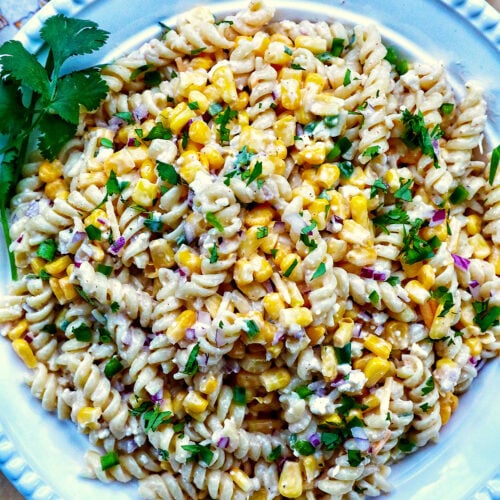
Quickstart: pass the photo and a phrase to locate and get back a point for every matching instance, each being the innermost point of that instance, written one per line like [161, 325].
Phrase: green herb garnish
[112, 367]
[192, 363]
[167, 172]
[239, 395]
[320, 270]
[354, 457]
[109, 460]
[252, 329]
[47, 250]
[428, 387]
[214, 222]
[82, 333]
[199, 452]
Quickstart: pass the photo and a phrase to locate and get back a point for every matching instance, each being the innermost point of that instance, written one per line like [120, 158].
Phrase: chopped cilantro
[425, 407]
[346, 169]
[214, 109]
[262, 232]
[343, 354]
[374, 297]
[288, 50]
[47, 250]
[154, 225]
[417, 135]
[126, 116]
[199, 452]
[394, 216]
[354, 457]
[243, 157]
[405, 445]
[252, 174]
[303, 391]
[49, 328]
[290, 269]
[303, 447]
[214, 257]
[193, 105]
[154, 418]
[428, 387]
[445, 298]
[404, 191]
[159, 132]
[347, 77]
[112, 367]
[109, 460]
[167, 172]
[82, 333]
[214, 222]
[378, 185]
[198, 51]
[495, 159]
[239, 395]
[371, 152]
[192, 364]
[305, 236]
[400, 65]
[485, 317]
[114, 306]
[393, 280]
[106, 143]
[459, 195]
[320, 270]
[275, 454]
[296, 66]
[251, 329]
[222, 119]
[342, 145]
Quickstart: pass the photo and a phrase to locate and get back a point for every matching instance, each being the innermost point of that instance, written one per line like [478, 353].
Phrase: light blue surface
[43, 456]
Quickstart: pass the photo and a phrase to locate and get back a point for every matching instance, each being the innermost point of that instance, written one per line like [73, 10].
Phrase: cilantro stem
[8, 241]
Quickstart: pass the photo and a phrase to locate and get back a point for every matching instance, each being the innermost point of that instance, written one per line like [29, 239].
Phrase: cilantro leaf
[54, 134]
[191, 367]
[394, 216]
[199, 452]
[485, 318]
[417, 135]
[428, 387]
[154, 418]
[20, 65]
[405, 445]
[378, 185]
[81, 87]
[275, 454]
[67, 36]
[159, 132]
[167, 172]
[12, 112]
[495, 159]
[404, 192]
[251, 329]
[445, 298]
[354, 457]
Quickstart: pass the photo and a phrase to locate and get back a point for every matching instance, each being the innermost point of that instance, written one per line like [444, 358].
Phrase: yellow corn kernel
[195, 96]
[162, 254]
[319, 210]
[147, 170]
[145, 193]
[334, 419]
[177, 404]
[179, 117]
[187, 258]
[58, 266]
[88, 417]
[241, 479]
[328, 362]
[448, 404]
[208, 384]
[480, 249]
[294, 316]
[307, 192]
[441, 231]
[354, 413]
[315, 333]
[223, 80]
[417, 292]
[211, 93]
[446, 363]
[278, 37]
[211, 156]
[290, 481]
[355, 233]
[427, 276]
[93, 218]
[328, 175]
[343, 334]
[290, 266]
[242, 101]
[284, 128]
[315, 44]
[359, 210]
[314, 154]
[189, 81]
[338, 204]
[378, 346]
[194, 402]
[200, 132]
[310, 465]
[55, 189]
[201, 62]
[275, 53]
[56, 290]
[371, 401]
[177, 330]
[262, 269]
[473, 224]
[68, 289]
[259, 216]
[440, 325]
[243, 272]
[450, 399]
[375, 370]
[37, 265]
[275, 379]
[392, 179]
[475, 346]
[290, 94]
[315, 81]
[273, 304]
[18, 330]
[50, 171]
[23, 350]
[365, 256]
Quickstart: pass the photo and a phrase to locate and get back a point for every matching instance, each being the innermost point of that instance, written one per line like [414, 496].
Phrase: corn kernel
[333, 419]
[275, 379]
[162, 254]
[242, 101]
[290, 94]
[290, 266]
[446, 363]
[145, 193]
[378, 346]
[371, 401]
[427, 276]
[285, 128]
[315, 44]
[23, 350]
[328, 362]
[208, 384]
[290, 481]
[213, 157]
[58, 266]
[310, 465]
[18, 330]
[359, 210]
[473, 224]
[179, 117]
[417, 292]
[375, 370]
[177, 330]
[55, 189]
[475, 346]
[201, 62]
[87, 417]
[440, 325]
[315, 81]
[223, 80]
[200, 132]
[262, 269]
[354, 413]
[294, 316]
[328, 175]
[480, 249]
[194, 402]
[50, 171]
[241, 479]
[195, 96]
[273, 304]
[68, 289]
[344, 332]
[275, 54]
[95, 218]
[313, 154]
[177, 404]
[315, 333]
[259, 216]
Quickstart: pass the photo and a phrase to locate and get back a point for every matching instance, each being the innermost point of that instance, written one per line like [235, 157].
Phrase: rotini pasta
[267, 272]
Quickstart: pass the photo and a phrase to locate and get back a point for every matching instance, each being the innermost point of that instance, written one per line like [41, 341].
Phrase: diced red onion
[189, 232]
[33, 209]
[203, 360]
[28, 337]
[274, 93]
[131, 141]
[338, 380]
[20, 238]
[435, 146]
[77, 264]
[231, 366]
[338, 219]
[368, 272]
[365, 316]
[360, 437]
[101, 220]
[77, 237]
[299, 130]
[157, 398]
[127, 445]
[474, 289]
[190, 334]
[204, 317]
[356, 331]
[438, 217]
[220, 338]
[279, 226]
[140, 113]
[190, 198]
[268, 286]
[278, 337]
[314, 439]
[223, 442]
[379, 329]
[115, 123]
[115, 248]
[461, 262]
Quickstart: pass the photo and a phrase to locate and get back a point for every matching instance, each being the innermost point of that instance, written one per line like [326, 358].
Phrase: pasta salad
[266, 266]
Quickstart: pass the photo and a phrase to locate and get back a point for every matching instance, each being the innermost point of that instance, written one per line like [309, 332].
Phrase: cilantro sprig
[40, 97]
